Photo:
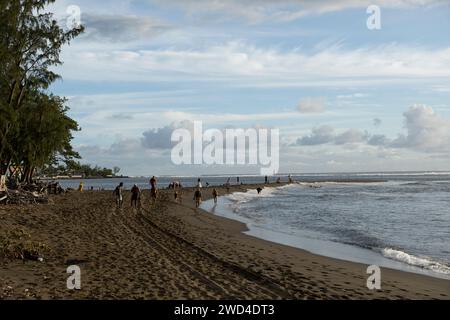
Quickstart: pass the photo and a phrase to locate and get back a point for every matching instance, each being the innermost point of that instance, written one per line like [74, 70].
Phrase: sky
[345, 97]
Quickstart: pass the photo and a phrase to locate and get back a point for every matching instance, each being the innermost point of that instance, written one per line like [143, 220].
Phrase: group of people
[177, 187]
[135, 195]
[198, 196]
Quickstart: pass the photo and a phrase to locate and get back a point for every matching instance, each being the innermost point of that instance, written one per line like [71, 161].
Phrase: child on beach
[198, 197]
[135, 196]
[178, 196]
[215, 195]
[118, 192]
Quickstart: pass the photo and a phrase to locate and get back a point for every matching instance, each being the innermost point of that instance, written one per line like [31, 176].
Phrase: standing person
[290, 179]
[266, 180]
[237, 180]
[176, 192]
[154, 189]
[198, 197]
[154, 195]
[118, 192]
[199, 183]
[215, 195]
[81, 186]
[135, 196]
[153, 182]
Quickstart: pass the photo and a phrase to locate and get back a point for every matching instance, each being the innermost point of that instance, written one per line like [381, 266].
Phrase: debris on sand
[26, 194]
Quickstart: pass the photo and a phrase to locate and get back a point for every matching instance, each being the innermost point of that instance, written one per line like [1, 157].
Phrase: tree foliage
[75, 168]
[34, 126]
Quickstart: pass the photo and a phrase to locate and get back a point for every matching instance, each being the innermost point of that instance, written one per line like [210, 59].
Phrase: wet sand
[174, 251]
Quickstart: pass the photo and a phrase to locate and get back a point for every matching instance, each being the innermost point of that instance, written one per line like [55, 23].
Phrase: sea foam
[421, 262]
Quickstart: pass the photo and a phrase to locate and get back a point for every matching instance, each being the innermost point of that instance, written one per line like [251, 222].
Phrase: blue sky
[344, 97]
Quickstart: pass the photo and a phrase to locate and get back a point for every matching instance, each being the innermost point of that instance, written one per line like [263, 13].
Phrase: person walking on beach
[118, 192]
[215, 195]
[198, 197]
[153, 182]
[135, 196]
[154, 189]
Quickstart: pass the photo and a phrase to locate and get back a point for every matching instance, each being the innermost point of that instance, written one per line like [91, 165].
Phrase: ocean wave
[416, 184]
[421, 262]
[242, 197]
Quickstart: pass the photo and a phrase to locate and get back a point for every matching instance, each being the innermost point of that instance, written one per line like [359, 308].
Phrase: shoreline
[175, 251]
[321, 247]
[402, 276]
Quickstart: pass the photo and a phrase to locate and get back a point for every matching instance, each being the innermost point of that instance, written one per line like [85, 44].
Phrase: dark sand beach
[174, 251]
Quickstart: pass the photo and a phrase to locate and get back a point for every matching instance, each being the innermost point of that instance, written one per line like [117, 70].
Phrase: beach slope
[175, 251]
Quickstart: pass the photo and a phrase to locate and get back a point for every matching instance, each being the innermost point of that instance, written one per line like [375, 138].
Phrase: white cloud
[320, 135]
[426, 131]
[121, 28]
[161, 138]
[240, 63]
[257, 11]
[351, 136]
[312, 105]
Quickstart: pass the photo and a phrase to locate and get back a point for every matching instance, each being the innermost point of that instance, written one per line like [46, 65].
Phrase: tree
[45, 117]
[116, 170]
[30, 45]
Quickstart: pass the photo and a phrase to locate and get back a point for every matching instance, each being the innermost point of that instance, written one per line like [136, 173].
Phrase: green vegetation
[73, 168]
[17, 244]
[35, 129]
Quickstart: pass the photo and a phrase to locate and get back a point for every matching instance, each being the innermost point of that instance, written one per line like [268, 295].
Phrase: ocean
[401, 221]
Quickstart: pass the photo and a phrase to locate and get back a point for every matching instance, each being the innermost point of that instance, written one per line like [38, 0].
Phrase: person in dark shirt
[215, 195]
[135, 196]
[198, 197]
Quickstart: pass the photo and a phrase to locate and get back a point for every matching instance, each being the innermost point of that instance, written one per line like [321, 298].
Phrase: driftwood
[25, 194]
